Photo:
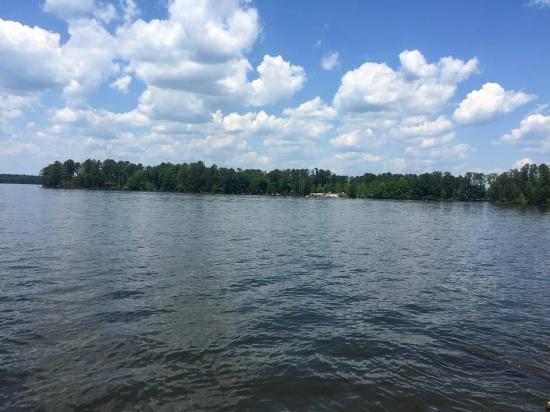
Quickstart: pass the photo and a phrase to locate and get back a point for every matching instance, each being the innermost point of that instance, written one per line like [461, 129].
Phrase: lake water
[157, 301]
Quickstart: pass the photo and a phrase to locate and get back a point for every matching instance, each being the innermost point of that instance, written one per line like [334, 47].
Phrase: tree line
[22, 179]
[529, 185]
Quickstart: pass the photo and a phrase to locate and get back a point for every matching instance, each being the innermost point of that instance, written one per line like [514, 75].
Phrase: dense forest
[529, 185]
[26, 179]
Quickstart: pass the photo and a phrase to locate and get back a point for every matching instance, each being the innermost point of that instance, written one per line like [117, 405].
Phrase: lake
[161, 301]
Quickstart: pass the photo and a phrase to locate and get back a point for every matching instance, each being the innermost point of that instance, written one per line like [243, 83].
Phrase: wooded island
[529, 185]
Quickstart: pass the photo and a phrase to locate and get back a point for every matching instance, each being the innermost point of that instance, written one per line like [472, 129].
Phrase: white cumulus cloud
[413, 64]
[31, 58]
[486, 103]
[88, 59]
[198, 53]
[314, 108]
[533, 134]
[263, 124]
[278, 80]
[416, 87]
[534, 126]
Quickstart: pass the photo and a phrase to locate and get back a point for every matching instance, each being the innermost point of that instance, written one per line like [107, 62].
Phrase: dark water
[148, 301]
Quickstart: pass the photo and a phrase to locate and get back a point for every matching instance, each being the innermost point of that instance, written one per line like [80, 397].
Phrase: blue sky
[354, 86]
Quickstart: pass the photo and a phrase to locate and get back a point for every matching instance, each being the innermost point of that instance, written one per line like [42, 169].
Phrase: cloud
[209, 148]
[533, 134]
[423, 139]
[430, 143]
[415, 126]
[13, 148]
[196, 54]
[539, 3]
[213, 29]
[13, 106]
[354, 162]
[105, 12]
[203, 98]
[354, 139]
[358, 156]
[414, 65]
[330, 60]
[401, 106]
[485, 104]
[70, 9]
[130, 11]
[416, 88]
[77, 9]
[522, 162]
[200, 50]
[95, 123]
[278, 80]
[278, 140]
[296, 135]
[31, 58]
[534, 126]
[288, 126]
[200, 47]
[250, 159]
[253, 122]
[88, 59]
[173, 105]
[312, 109]
[122, 83]
[438, 152]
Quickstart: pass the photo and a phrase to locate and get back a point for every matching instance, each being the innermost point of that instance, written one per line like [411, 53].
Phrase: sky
[352, 86]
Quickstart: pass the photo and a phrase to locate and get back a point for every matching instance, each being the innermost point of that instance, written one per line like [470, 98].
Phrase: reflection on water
[112, 300]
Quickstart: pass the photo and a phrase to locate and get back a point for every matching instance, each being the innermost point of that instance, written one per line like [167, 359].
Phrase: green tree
[52, 175]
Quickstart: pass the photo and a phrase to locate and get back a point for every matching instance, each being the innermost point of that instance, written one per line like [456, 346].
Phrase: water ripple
[140, 301]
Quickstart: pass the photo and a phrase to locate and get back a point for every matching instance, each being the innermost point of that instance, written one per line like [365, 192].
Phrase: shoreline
[297, 196]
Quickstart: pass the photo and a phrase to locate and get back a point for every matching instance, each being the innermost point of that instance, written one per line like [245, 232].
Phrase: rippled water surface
[151, 301]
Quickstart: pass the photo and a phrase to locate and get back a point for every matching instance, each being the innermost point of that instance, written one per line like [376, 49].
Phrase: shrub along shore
[529, 185]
